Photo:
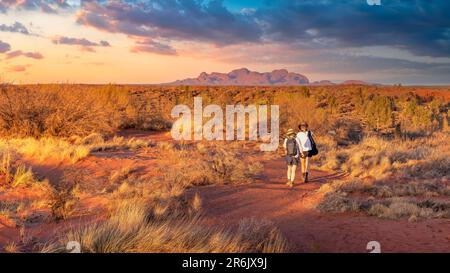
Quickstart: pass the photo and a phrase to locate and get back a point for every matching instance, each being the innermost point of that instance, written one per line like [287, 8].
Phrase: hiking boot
[305, 178]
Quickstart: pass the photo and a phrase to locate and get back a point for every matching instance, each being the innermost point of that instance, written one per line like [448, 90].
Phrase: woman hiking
[292, 147]
[307, 149]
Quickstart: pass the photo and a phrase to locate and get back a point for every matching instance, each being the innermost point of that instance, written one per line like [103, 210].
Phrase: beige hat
[290, 132]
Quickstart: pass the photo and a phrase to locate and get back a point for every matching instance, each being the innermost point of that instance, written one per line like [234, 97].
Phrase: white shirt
[305, 143]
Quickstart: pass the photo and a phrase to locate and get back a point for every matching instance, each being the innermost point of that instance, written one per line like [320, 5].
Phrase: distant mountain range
[245, 77]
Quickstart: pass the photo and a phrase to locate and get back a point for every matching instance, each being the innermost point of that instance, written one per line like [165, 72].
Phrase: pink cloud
[18, 53]
[18, 68]
[151, 46]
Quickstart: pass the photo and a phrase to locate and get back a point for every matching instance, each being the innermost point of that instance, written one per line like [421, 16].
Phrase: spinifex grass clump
[134, 227]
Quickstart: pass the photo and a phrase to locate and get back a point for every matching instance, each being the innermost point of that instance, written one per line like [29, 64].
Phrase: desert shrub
[337, 202]
[228, 167]
[261, 236]
[8, 207]
[63, 200]
[91, 139]
[205, 164]
[155, 124]
[435, 166]
[379, 158]
[412, 188]
[6, 164]
[115, 143]
[35, 113]
[398, 209]
[296, 108]
[416, 117]
[378, 111]
[395, 202]
[441, 209]
[346, 131]
[122, 174]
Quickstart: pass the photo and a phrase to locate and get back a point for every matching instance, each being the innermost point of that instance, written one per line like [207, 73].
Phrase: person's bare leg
[303, 162]
[293, 170]
[289, 171]
[305, 178]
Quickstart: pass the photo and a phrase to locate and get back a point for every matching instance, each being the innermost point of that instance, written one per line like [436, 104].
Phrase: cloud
[421, 27]
[84, 43]
[76, 41]
[151, 46]
[4, 47]
[16, 28]
[47, 6]
[18, 53]
[207, 21]
[18, 68]
[104, 43]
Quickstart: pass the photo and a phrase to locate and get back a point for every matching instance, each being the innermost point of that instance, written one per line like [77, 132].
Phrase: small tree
[378, 112]
[445, 126]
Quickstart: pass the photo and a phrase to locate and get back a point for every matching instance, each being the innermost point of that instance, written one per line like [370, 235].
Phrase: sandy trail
[292, 210]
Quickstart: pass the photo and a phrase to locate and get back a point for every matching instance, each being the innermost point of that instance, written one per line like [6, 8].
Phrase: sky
[158, 41]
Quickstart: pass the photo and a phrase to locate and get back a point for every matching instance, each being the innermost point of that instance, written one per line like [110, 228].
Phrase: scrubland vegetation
[392, 142]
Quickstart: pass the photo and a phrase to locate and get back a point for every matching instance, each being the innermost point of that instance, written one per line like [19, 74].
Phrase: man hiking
[292, 147]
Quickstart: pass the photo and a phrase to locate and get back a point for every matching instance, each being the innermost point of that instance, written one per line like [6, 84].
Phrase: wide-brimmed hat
[303, 124]
[290, 132]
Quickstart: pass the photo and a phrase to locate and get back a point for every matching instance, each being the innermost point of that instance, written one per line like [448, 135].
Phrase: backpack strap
[311, 138]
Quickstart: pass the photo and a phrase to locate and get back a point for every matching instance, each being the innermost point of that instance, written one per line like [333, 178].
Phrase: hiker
[291, 145]
[307, 149]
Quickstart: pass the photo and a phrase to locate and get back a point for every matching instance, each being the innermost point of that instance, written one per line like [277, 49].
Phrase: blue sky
[237, 5]
[398, 42]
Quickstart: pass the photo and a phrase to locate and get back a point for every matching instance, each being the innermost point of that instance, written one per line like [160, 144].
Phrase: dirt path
[292, 210]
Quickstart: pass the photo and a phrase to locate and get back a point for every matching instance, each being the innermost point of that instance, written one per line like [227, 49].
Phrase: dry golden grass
[22, 176]
[46, 149]
[394, 176]
[426, 157]
[387, 199]
[61, 150]
[132, 228]
[11, 248]
[156, 216]
[96, 142]
[15, 175]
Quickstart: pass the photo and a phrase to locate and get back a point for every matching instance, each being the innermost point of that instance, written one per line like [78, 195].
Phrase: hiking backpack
[291, 147]
[314, 150]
